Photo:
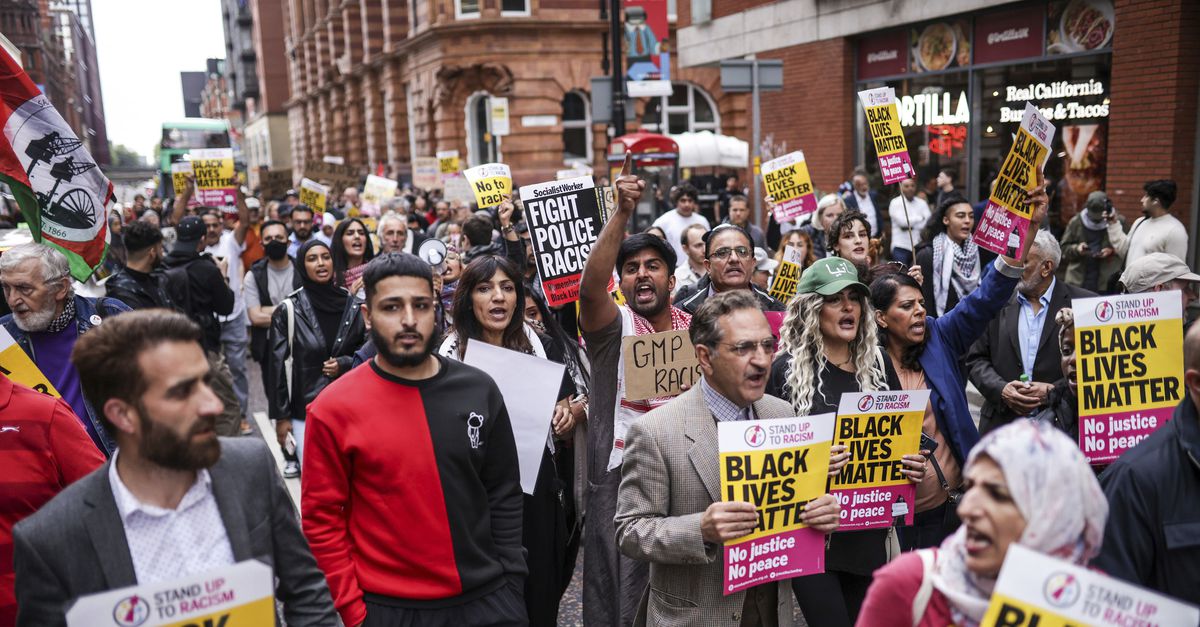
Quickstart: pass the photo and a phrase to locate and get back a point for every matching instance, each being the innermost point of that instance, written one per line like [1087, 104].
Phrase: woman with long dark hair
[313, 336]
[947, 255]
[925, 352]
[488, 307]
[352, 249]
[830, 347]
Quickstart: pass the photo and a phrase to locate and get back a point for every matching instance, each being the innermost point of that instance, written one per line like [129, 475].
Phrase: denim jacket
[85, 310]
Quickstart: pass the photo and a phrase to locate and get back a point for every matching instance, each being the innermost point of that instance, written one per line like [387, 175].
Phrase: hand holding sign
[728, 520]
[822, 513]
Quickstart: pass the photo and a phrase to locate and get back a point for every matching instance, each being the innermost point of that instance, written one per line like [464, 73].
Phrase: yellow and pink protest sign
[1005, 221]
[1128, 369]
[213, 169]
[883, 121]
[779, 466]
[879, 429]
[787, 182]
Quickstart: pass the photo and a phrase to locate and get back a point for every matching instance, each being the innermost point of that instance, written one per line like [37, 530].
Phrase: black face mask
[276, 249]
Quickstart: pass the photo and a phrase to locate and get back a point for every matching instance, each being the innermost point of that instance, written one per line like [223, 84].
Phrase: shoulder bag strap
[925, 592]
[291, 338]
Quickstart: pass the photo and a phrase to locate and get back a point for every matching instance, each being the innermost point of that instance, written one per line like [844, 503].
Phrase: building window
[466, 9]
[514, 7]
[688, 109]
[577, 128]
[481, 145]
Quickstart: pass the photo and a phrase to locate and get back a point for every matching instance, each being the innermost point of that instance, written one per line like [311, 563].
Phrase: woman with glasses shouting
[831, 347]
[729, 260]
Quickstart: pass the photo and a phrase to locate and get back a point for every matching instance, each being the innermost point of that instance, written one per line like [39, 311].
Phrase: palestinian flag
[61, 191]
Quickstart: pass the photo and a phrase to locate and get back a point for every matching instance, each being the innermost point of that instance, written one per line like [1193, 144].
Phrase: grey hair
[1045, 242]
[385, 218]
[706, 329]
[54, 264]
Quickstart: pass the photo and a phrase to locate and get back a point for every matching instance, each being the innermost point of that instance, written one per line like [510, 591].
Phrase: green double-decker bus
[184, 135]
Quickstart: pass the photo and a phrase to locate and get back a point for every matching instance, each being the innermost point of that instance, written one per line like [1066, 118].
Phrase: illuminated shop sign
[944, 108]
[1069, 110]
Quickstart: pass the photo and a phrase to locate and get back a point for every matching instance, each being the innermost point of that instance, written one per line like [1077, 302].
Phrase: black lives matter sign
[564, 221]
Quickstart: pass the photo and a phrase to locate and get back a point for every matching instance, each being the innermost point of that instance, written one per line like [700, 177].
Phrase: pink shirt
[892, 593]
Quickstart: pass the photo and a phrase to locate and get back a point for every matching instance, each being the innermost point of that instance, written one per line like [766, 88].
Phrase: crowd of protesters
[412, 510]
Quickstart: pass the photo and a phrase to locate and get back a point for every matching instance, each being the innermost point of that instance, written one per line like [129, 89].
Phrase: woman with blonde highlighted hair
[831, 347]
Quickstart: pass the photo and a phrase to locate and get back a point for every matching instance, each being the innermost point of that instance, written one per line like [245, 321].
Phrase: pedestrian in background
[1087, 250]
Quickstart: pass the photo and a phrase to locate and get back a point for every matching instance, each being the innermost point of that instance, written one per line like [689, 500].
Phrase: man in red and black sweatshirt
[410, 493]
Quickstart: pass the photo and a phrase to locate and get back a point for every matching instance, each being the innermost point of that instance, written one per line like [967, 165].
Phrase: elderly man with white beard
[47, 317]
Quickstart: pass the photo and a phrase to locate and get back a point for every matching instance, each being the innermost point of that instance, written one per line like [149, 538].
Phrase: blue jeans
[298, 434]
[235, 340]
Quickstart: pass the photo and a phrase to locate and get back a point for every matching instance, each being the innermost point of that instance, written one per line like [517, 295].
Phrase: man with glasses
[666, 514]
[729, 260]
[302, 229]
[48, 317]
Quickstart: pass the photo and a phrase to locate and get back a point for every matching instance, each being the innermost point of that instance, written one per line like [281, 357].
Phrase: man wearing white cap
[1160, 272]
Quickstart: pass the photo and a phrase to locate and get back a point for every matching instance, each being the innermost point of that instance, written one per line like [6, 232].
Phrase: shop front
[962, 84]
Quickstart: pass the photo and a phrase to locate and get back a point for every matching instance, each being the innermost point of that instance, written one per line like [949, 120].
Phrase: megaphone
[434, 252]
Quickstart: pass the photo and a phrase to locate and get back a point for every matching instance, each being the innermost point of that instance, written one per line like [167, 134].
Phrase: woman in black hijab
[314, 334]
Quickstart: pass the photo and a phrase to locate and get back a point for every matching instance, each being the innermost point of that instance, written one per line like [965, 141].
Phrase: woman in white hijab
[1026, 483]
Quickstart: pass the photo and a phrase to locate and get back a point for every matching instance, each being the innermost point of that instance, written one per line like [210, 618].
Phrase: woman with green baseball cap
[830, 331]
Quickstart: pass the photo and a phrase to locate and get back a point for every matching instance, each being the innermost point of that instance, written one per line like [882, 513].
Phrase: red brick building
[381, 81]
[1120, 76]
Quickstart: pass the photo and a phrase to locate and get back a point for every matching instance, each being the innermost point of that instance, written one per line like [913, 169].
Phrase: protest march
[397, 327]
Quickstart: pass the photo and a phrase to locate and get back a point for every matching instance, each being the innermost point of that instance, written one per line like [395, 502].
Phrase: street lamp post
[618, 78]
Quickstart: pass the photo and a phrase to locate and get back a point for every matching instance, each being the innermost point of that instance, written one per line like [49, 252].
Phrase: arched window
[688, 109]
[481, 145]
[577, 127]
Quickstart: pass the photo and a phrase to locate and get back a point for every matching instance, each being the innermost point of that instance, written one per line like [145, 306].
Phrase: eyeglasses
[723, 253]
[742, 349]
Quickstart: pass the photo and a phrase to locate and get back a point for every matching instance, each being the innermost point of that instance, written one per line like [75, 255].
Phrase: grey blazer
[669, 477]
[75, 545]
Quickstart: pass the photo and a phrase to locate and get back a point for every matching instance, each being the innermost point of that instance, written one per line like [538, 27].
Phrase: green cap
[829, 276]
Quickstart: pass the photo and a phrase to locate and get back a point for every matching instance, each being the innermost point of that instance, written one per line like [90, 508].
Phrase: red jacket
[43, 449]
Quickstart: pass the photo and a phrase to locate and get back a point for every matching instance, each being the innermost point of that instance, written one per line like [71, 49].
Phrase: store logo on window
[923, 109]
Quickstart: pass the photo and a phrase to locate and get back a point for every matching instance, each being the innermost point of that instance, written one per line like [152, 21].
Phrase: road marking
[268, 433]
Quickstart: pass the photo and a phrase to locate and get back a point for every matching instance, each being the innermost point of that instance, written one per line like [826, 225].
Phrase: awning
[706, 149]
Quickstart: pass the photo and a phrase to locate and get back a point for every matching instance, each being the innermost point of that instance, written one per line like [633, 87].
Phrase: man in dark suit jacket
[147, 375]
[995, 363]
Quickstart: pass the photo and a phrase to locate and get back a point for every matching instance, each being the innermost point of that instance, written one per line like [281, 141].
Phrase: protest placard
[213, 169]
[447, 164]
[425, 173]
[564, 218]
[778, 465]
[879, 428]
[489, 183]
[1036, 590]
[17, 366]
[376, 190]
[787, 275]
[1006, 217]
[530, 388]
[242, 594]
[457, 189]
[883, 120]
[274, 184]
[658, 364]
[336, 175]
[1128, 369]
[179, 175]
[314, 195]
[788, 184]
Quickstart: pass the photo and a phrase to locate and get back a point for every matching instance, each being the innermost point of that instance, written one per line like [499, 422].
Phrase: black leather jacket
[307, 348]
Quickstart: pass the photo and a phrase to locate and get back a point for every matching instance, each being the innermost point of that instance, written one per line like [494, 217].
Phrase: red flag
[58, 186]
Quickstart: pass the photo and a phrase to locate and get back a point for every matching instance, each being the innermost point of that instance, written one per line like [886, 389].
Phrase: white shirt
[229, 249]
[673, 225]
[1164, 234]
[169, 544]
[685, 276]
[918, 211]
[867, 207]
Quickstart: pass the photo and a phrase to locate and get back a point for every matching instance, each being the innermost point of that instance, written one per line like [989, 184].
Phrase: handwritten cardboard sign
[658, 364]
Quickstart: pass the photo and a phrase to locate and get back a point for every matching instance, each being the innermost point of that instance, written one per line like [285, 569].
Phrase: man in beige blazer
[669, 511]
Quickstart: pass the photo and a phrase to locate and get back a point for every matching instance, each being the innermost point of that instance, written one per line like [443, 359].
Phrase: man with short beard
[612, 583]
[729, 259]
[411, 496]
[175, 500]
[48, 318]
[302, 229]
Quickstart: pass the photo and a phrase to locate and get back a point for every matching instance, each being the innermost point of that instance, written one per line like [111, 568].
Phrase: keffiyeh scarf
[954, 265]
